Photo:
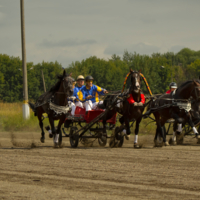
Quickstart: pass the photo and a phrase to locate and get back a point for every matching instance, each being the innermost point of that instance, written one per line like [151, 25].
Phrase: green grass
[11, 119]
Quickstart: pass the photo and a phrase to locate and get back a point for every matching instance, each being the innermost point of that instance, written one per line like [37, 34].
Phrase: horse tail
[32, 106]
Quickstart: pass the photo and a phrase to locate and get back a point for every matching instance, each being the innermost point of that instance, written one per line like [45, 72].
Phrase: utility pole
[43, 81]
[25, 107]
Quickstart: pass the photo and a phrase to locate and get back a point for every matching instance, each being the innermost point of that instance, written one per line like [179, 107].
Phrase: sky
[72, 30]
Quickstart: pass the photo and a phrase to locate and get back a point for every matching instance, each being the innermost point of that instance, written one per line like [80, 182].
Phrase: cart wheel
[73, 137]
[60, 138]
[121, 140]
[102, 140]
[117, 138]
[112, 141]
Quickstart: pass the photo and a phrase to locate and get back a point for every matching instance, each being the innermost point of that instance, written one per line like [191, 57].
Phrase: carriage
[78, 132]
[55, 105]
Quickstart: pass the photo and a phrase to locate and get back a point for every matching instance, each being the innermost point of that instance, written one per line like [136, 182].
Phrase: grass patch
[11, 119]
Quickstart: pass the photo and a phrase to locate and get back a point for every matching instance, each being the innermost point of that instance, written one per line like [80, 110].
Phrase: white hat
[80, 77]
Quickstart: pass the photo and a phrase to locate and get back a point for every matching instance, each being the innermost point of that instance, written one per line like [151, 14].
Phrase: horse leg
[172, 140]
[159, 132]
[128, 131]
[163, 135]
[136, 132]
[190, 122]
[122, 120]
[157, 135]
[51, 121]
[56, 138]
[42, 139]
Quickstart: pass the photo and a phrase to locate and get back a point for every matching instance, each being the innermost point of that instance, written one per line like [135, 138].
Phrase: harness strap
[146, 83]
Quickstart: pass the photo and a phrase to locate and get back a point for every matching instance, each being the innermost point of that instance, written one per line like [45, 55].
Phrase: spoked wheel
[102, 140]
[117, 138]
[73, 137]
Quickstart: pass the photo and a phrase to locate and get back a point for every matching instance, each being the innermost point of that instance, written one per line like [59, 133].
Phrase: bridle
[197, 96]
[136, 79]
[64, 88]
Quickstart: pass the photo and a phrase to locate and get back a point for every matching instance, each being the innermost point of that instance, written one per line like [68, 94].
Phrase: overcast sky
[70, 30]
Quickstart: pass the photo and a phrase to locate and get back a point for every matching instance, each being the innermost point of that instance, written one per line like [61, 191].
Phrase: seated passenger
[80, 84]
[89, 94]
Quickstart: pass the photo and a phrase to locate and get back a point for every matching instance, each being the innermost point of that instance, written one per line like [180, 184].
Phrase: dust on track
[94, 172]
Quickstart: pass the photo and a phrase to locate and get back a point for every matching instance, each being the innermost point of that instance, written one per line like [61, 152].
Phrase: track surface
[45, 172]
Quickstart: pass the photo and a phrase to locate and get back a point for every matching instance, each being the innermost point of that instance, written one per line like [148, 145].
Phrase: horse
[177, 128]
[168, 109]
[54, 103]
[129, 112]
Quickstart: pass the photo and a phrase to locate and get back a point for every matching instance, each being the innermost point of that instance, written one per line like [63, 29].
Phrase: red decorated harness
[131, 100]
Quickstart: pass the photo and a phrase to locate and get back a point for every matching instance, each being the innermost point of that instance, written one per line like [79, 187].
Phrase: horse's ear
[131, 70]
[64, 73]
[139, 71]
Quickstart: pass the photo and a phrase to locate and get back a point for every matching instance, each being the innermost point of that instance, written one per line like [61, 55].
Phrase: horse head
[195, 93]
[135, 81]
[67, 84]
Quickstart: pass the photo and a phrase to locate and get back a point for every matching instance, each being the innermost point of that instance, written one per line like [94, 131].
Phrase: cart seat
[80, 115]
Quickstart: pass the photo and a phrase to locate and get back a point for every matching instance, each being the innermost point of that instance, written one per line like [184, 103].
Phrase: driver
[89, 94]
[172, 86]
[80, 83]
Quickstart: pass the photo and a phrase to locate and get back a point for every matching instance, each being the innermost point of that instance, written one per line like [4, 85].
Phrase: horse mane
[187, 82]
[57, 85]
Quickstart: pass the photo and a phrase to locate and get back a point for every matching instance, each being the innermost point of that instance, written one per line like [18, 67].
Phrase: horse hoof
[198, 140]
[136, 146]
[127, 137]
[172, 142]
[157, 144]
[166, 144]
[42, 140]
[50, 135]
[179, 140]
[56, 145]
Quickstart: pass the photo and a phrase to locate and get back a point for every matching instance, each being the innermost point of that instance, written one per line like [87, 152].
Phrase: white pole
[25, 107]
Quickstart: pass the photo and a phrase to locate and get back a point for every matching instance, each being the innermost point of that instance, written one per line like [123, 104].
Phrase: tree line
[159, 70]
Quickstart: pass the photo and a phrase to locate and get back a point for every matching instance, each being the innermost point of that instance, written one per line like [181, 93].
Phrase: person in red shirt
[132, 101]
[172, 86]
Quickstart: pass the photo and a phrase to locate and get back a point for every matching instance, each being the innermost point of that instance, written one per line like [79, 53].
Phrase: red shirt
[168, 92]
[131, 100]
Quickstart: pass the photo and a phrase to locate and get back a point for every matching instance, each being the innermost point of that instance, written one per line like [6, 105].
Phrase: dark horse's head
[67, 84]
[135, 81]
[189, 89]
[64, 85]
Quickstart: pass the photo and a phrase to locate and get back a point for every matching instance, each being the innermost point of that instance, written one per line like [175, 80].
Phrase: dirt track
[97, 173]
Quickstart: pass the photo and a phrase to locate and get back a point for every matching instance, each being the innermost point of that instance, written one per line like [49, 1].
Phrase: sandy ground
[44, 172]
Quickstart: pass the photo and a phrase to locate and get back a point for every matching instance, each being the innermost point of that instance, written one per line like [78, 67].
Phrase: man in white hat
[80, 84]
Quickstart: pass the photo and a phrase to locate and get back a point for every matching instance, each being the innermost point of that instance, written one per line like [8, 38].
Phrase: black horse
[165, 107]
[129, 112]
[177, 128]
[54, 103]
